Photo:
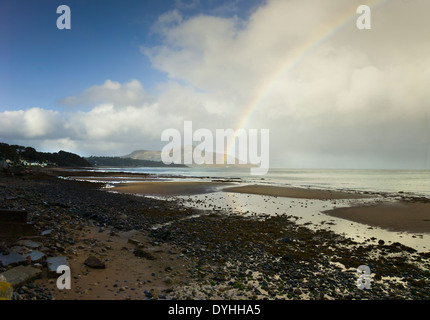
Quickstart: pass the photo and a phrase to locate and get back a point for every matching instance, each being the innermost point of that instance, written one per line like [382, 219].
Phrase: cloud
[30, 124]
[356, 99]
[106, 122]
[166, 21]
[343, 97]
[185, 5]
[130, 93]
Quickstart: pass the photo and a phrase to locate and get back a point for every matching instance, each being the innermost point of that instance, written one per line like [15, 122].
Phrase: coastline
[167, 188]
[397, 216]
[300, 193]
[394, 215]
[196, 254]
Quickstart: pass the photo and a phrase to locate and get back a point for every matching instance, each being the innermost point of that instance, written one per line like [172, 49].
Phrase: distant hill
[156, 156]
[19, 154]
[127, 162]
[144, 155]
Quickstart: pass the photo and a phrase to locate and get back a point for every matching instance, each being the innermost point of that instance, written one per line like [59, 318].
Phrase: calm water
[306, 211]
[415, 182]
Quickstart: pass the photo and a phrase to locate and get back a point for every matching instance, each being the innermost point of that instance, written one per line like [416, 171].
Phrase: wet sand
[396, 216]
[295, 192]
[126, 276]
[211, 256]
[168, 188]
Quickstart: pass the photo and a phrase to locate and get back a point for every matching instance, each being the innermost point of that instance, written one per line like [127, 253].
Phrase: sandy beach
[126, 275]
[295, 192]
[187, 188]
[167, 188]
[396, 216]
[156, 249]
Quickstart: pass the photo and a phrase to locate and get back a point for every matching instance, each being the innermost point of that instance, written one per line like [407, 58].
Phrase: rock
[38, 266]
[35, 256]
[6, 290]
[29, 244]
[31, 255]
[46, 232]
[12, 258]
[94, 262]
[135, 242]
[143, 254]
[21, 274]
[381, 242]
[54, 263]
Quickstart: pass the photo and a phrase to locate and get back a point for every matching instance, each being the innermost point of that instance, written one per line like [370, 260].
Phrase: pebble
[226, 248]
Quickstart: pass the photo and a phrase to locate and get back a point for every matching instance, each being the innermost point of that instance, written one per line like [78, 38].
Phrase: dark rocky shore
[229, 257]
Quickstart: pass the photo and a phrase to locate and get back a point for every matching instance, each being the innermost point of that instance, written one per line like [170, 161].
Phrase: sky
[331, 94]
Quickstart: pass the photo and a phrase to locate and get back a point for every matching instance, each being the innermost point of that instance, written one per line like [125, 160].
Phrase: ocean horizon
[407, 182]
[381, 185]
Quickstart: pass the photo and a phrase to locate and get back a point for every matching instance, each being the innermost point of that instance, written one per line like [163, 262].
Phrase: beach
[167, 188]
[405, 215]
[159, 248]
[398, 216]
[300, 193]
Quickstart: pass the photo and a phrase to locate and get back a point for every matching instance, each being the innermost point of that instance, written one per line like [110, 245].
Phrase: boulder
[94, 262]
[46, 232]
[21, 274]
[12, 258]
[6, 290]
[29, 244]
[54, 263]
[143, 254]
[135, 242]
[28, 254]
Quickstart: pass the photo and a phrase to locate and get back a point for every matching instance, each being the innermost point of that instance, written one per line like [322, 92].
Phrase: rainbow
[292, 60]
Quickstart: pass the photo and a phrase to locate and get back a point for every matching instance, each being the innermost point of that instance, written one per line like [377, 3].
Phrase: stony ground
[223, 257]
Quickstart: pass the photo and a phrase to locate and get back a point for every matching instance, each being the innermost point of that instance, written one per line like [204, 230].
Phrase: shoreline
[167, 188]
[85, 221]
[209, 256]
[292, 192]
[394, 216]
[397, 215]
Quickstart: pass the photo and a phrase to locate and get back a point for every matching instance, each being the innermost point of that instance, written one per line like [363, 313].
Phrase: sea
[411, 182]
[382, 184]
